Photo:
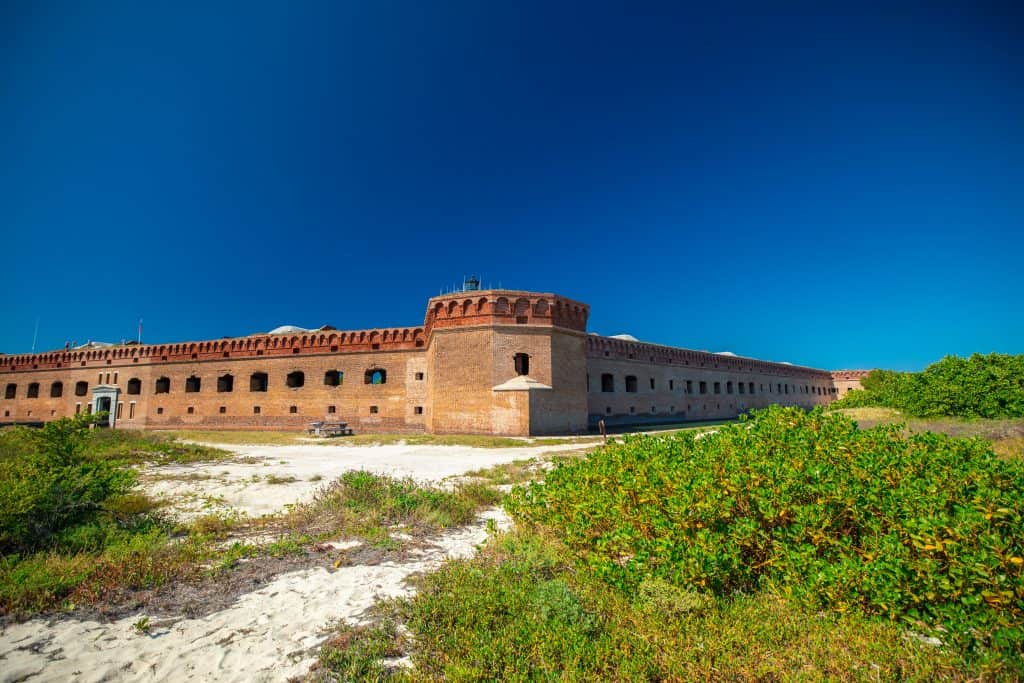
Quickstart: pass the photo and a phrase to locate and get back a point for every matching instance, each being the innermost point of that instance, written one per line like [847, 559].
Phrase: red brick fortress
[484, 361]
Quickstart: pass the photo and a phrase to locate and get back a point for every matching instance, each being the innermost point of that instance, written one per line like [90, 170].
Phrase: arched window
[728, 387]
[631, 384]
[11, 391]
[376, 376]
[81, 388]
[296, 379]
[193, 384]
[522, 363]
[225, 383]
[33, 390]
[258, 381]
[57, 389]
[607, 383]
[333, 378]
[134, 386]
[163, 385]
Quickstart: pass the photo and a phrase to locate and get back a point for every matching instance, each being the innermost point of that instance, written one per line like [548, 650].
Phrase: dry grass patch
[876, 415]
[364, 505]
[236, 438]
[1010, 448]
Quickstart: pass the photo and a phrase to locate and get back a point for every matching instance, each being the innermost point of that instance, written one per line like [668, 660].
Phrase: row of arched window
[631, 385]
[258, 381]
[56, 390]
[656, 353]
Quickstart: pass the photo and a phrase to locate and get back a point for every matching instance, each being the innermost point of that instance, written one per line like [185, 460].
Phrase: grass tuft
[361, 504]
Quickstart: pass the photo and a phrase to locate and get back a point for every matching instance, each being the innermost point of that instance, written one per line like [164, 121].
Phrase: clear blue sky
[835, 187]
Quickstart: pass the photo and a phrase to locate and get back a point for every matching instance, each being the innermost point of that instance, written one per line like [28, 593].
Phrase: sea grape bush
[989, 386]
[51, 490]
[922, 528]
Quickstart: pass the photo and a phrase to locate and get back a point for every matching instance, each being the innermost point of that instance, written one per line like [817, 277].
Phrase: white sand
[270, 634]
[244, 487]
[274, 632]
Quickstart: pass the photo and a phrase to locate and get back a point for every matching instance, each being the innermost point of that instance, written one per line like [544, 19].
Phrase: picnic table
[329, 428]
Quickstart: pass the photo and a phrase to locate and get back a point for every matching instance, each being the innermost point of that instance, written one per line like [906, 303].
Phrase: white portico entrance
[104, 399]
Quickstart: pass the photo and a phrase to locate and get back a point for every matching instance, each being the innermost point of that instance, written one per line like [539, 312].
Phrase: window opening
[258, 382]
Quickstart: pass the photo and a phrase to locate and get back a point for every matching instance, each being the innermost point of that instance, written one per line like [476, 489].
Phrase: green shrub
[51, 486]
[925, 529]
[520, 611]
[986, 386]
[356, 653]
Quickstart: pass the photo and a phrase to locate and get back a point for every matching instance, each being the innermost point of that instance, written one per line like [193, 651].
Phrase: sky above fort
[835, 187]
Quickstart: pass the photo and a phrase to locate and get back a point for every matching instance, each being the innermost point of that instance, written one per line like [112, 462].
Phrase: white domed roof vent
[287, 329]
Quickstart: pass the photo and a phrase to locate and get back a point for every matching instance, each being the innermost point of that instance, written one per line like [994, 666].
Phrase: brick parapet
[503, 306]
[253, 346]
[849, 375]
[624, 349]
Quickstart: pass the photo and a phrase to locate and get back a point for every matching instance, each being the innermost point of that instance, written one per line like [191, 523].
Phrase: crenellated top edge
[505, 306]
[623, 349]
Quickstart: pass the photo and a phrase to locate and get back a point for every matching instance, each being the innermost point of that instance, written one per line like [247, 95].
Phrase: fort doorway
[104, 398]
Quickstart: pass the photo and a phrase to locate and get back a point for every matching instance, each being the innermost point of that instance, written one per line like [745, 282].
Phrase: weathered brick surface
[847, 380]
[440, 376]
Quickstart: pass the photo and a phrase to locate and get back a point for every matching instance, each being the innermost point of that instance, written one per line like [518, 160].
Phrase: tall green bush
[986, 386]
[924, 528]
[49, 486]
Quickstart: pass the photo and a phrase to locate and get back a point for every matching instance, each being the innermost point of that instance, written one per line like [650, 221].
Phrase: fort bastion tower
[495, 361]
[508, 362]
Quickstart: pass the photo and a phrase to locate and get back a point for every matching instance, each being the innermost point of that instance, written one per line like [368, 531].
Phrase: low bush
[922, 529]
[522, 611]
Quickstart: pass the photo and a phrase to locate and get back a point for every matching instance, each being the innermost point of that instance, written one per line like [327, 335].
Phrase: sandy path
[270, 634]
[274, 632]
[191, 490]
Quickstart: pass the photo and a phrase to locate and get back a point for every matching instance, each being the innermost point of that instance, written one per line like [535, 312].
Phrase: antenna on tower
[35, 335]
